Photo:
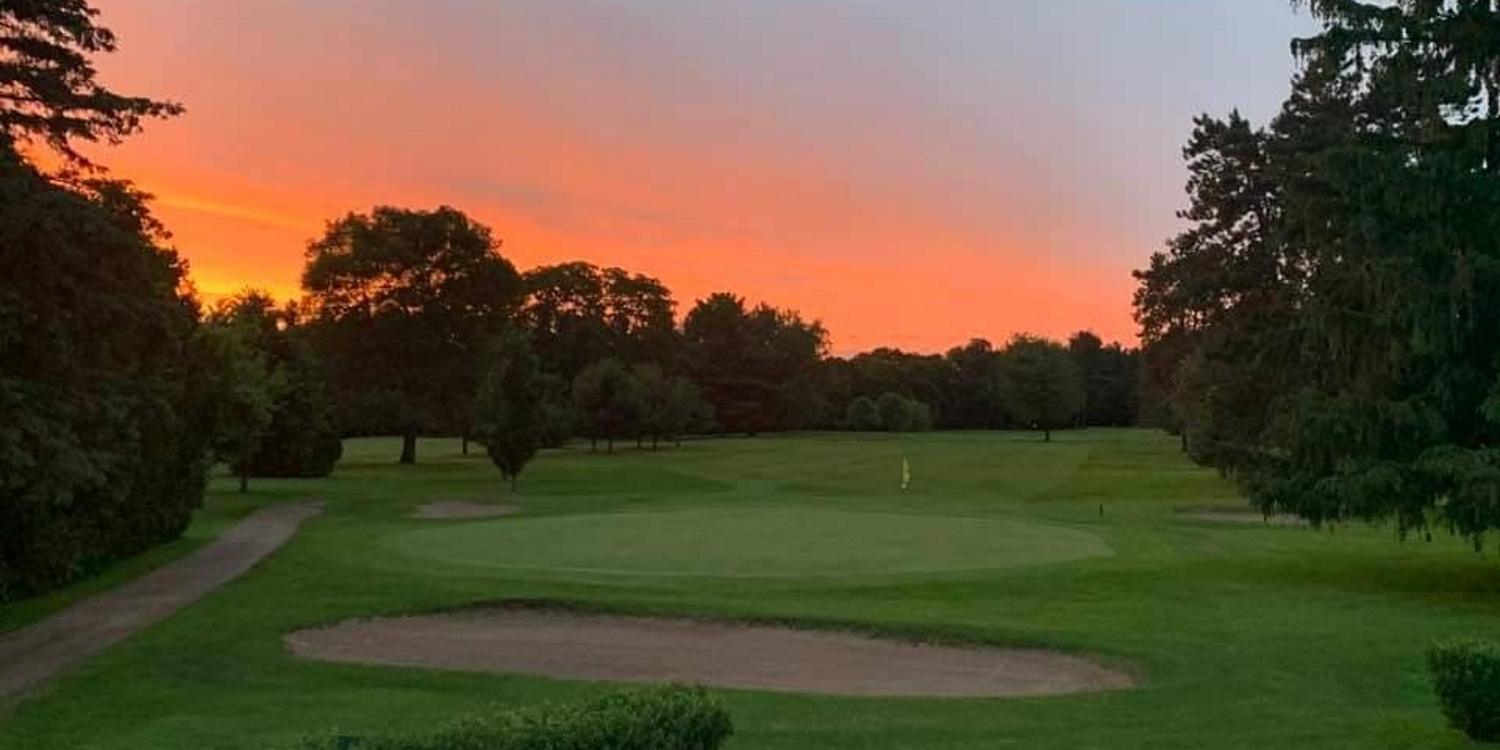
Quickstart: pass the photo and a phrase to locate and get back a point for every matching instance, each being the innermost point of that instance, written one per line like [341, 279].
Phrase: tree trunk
[409, 448]
[593, 444]
[609, 446]
[654, 441]
[637, 442]
[514, 478]
[1046, 436]
[465, 440]
[245, 477]
[1183, 436]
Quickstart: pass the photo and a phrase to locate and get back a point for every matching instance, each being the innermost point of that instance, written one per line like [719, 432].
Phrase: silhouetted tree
[1224, 291]
[976, 380]
[756, 366]
[579, 314]
[48, 90]
[402, 302]
[1039, 385]
[1109, 374]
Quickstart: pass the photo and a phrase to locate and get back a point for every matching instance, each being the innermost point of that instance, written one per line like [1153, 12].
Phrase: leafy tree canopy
[1039, 385]
[49, 90]
[402, 302]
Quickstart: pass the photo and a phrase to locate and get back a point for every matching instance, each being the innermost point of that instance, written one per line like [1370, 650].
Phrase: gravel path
[628, 649]
[35, 653]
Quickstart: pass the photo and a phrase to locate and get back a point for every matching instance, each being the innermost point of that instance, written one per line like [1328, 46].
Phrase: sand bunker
[460, 510]
[631, 649]
[1238, 515]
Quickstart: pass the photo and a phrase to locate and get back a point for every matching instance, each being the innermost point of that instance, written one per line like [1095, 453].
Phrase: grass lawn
[1244, 636]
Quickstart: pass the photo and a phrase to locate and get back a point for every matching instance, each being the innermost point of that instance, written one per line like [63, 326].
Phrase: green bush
[1466, 676]
[863, 415]
[917, 417]
[893, 412]
[102, 445]
[669, 718]
[558, 421]
[301, 440]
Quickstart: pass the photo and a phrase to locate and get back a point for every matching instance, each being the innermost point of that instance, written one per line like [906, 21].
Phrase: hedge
[669, 718]
[1466, 676]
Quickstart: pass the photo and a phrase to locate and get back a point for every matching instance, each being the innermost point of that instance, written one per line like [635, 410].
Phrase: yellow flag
[905, 474]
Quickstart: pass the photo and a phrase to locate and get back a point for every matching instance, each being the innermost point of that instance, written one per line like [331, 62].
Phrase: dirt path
[583, 647]
[35, 653]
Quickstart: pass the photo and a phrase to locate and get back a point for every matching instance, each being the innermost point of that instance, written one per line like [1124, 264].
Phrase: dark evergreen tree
[1326, 316]
[1223, 294]
[508, 414]
[1389, 149]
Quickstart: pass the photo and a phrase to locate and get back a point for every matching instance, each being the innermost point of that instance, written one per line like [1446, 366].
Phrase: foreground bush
[673, 718]
[101, 451]
[1466, 675]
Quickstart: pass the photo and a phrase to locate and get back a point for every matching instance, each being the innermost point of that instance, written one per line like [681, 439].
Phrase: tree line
[417, 314]
[1324, 330]
[120, 388]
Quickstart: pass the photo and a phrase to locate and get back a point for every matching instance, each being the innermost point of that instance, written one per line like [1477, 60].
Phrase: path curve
[35, 653]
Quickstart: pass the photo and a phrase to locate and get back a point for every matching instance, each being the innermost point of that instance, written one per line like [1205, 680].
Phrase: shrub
[1466, 676]
[863, 415]
[893, 412]
[918, 416]
[669, 718]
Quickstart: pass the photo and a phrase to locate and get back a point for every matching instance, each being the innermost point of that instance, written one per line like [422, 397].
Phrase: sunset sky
[913, 173]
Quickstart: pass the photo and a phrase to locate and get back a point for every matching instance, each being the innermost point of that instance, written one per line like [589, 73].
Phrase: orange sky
[911, 180]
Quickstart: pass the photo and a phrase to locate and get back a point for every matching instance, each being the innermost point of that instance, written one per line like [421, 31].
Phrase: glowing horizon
[913, 177]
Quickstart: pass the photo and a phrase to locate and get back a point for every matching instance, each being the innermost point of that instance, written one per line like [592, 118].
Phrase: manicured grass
[1244, 636]
[745, 543]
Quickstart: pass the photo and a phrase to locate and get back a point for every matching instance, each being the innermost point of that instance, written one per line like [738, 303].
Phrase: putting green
[747, 543]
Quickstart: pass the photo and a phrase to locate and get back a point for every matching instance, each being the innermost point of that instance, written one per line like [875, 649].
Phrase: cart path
[39, 651]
